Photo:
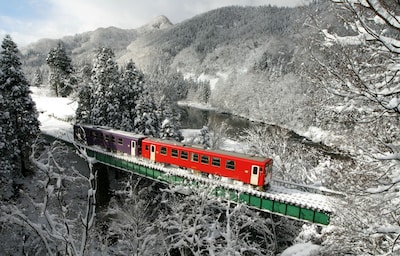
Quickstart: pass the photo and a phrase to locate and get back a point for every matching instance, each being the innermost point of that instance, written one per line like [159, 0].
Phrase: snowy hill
[232, 47]
[81, 46]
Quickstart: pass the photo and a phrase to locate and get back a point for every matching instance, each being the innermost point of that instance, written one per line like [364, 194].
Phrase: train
[247, 169]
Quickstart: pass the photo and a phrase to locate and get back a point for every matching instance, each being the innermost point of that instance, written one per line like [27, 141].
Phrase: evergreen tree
[122, 100]
[205, 138]
[38, 78]
[61, 70]
[137, 104]
[146, 121]
[132, 87]
[7, 145]
[105, 78]
[170, 125]
[85, 95]
[19, 124]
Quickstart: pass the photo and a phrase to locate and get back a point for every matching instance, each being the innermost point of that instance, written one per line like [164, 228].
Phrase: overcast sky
[30, 20]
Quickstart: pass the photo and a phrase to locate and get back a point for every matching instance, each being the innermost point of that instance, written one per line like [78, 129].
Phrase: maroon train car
[109, 139]
[252, 170]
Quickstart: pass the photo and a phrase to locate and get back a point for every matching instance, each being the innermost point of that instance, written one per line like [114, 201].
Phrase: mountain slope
[245, 52]
[82, 46]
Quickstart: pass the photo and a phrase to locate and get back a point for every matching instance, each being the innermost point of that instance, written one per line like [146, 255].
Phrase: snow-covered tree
[146, 121]
[20, 126]
[132, 214]
[170, 119]
[118, 99]
[132, 87]
[212, 135]
[55, 215]
[359, 67]
[199, 91]
[199, 225]
[85, 92]
[170, 126]
[61, 77]
[105, 78]
[204, 138]
[38, 78]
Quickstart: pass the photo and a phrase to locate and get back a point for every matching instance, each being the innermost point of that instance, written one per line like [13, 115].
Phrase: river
[196, 118]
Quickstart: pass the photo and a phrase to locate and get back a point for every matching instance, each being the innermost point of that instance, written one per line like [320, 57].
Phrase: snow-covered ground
[55, 114]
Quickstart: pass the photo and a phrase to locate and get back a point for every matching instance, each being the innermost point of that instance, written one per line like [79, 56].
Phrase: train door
[255, 174]
[153, 153]
[133, 147]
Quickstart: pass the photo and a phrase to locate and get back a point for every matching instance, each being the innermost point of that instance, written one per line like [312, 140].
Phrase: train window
[205, 159]
[216, 161]
[174, 152]
[230, 164]
[94, 134]
[163, 151]
[112, 139]
[120, 141]
[184, 155]
[107, 138]
[194, 157]
[255, 170]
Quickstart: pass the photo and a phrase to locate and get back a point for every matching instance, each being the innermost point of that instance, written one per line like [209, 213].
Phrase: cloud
[58, 18]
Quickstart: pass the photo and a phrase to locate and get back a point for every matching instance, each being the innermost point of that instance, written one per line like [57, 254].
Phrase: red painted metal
[181, 155]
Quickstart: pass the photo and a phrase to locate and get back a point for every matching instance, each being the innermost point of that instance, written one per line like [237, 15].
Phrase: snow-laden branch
[389, 19]
[14, 215]
[383, 13]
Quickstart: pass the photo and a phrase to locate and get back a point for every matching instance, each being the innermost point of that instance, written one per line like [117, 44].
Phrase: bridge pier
[103, 185]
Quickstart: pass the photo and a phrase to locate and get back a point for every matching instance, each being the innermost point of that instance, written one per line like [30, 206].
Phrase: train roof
[215, 151]
[112, 130]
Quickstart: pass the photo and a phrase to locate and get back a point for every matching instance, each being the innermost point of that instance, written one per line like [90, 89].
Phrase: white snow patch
[303, 249]
[344, 41]
[54, 114]
[61, 108]
[223, 75]
[317, 135]
[197, 105]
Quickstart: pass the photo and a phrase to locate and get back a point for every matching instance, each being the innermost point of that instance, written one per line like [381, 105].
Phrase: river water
[195, 118]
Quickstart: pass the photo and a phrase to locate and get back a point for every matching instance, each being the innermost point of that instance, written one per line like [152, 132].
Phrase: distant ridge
[159, 22]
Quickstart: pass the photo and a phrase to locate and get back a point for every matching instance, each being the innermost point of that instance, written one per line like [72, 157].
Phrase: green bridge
[264, 201]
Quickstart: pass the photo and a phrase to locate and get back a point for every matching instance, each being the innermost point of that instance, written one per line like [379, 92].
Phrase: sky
[27, 21]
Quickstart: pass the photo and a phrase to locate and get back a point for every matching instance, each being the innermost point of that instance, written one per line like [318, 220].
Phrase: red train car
[252, 170]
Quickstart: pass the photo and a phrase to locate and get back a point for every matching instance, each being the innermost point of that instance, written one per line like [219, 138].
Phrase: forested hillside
[239, 50]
